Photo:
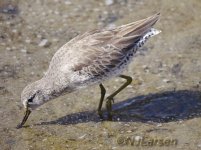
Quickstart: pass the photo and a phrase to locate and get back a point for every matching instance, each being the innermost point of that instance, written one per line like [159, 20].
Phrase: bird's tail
[129, 34]
[139, 27]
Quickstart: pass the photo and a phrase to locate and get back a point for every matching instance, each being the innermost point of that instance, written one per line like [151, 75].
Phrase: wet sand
[163, 101]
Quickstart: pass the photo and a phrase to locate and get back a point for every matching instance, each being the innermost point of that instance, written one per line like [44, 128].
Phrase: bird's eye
[30, 100]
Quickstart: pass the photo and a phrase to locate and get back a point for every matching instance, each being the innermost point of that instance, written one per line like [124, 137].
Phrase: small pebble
[145, 67]
[109, 2]
[14, 31]
[180, 121]
[166, 80]
[23, 50]
[81, 137]
[44, 43]
[129, 131]
[159, 125]
[67, 2]
[199, 145]
[28, 41]
[8, 48]
[130, 86]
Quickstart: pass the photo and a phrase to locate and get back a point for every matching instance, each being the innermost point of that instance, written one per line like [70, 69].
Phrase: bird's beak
[27, 113]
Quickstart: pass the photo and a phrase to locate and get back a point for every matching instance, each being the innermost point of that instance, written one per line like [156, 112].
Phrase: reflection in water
[159, 107]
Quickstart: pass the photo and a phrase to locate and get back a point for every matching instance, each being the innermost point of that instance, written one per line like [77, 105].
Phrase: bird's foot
[100, 113]
[109, 102]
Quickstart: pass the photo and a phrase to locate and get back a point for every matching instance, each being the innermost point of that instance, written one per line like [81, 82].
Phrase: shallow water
[163, 101]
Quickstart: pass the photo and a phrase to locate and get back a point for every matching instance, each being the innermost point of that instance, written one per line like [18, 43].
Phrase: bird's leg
[111, 97]
[103, 91]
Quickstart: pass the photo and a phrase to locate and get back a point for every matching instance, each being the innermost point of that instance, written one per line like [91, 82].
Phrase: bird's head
[32, 97]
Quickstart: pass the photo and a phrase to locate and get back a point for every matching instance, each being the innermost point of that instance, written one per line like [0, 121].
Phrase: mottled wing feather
[105, 49]
[97, 63]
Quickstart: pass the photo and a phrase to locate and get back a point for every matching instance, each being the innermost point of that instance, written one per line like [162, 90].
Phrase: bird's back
[102, 53]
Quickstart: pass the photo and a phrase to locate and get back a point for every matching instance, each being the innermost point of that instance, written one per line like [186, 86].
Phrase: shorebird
[87, 59]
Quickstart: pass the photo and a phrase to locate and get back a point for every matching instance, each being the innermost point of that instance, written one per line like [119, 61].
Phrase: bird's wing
[102, 50]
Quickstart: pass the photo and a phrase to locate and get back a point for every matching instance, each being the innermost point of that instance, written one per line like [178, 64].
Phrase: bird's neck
[52, 88]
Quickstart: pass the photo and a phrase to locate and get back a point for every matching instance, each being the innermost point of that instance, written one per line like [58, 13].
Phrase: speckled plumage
[91, 57]
[99, 54]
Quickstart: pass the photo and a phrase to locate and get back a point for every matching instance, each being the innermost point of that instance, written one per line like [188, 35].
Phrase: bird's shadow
[159, 107]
